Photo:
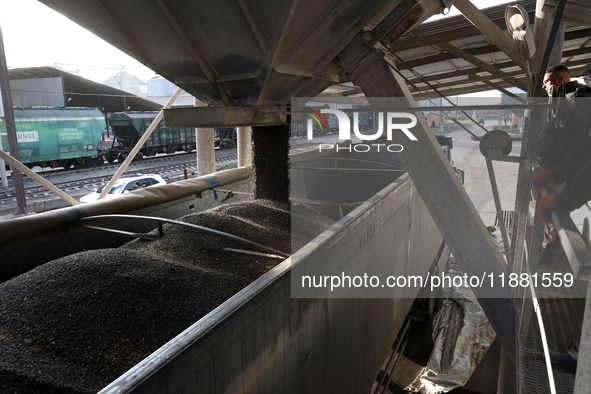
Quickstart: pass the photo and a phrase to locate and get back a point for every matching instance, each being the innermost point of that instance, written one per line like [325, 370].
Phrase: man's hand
[540, 177]
[547, 205]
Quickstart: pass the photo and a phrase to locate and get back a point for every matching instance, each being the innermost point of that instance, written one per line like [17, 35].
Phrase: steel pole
[3, 167]
[244, 146]
[542, 29]
[205, 145]
[17, 176]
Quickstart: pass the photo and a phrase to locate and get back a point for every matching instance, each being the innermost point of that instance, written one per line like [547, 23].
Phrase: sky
[35, 35]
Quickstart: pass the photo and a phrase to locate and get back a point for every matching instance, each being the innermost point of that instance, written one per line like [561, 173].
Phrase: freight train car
[301, 129]
[365, 121]
[57, 137]
[128, 128]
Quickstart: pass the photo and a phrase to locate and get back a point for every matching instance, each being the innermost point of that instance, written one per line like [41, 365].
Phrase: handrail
[536, 304]
[574, 246]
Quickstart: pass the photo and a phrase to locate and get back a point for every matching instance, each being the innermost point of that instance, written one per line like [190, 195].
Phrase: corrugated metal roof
[419, 52]
[86, 93]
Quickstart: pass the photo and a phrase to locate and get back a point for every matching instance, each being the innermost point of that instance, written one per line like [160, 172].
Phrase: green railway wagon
[128, 128]
[57, 137]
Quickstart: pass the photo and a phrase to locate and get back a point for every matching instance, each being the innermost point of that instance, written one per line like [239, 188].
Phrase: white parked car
[126, 185]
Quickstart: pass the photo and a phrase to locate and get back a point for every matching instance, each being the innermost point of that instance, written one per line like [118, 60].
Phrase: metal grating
[563, 319]
[562, 332]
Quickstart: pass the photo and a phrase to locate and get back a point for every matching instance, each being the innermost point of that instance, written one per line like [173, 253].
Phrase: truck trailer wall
[264, 341]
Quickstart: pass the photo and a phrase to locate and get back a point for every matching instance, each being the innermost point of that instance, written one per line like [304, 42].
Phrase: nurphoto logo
[393, 123]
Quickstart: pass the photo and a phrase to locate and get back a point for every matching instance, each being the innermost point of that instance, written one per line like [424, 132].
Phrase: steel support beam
[223, 116]
[244, 146]
[333, 13]
[489, 49]
[205, 145]
[426, 91]
[304, 71]
[10, 128]
[445, 198]
[497, 87]
[185, 35]
[444, 37]
[542, 28]
[530, 135]
[483, 65]
[445, 56]
[256, 24]
[491, 31]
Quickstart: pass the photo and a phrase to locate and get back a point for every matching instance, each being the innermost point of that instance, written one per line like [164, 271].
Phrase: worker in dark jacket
[576, 170]
[568, 125]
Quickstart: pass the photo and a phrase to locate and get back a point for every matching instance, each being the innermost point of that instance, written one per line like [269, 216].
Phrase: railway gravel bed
[75, 324]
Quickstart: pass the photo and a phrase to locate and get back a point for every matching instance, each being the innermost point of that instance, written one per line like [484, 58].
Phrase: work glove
[540, 177]
[546, 206]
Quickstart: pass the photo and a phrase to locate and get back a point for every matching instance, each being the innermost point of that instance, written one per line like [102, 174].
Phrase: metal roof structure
[239, 53]
[424, 51]
[86, 93]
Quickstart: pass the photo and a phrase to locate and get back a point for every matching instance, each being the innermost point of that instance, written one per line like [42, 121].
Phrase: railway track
[77, 182]
[84, 181]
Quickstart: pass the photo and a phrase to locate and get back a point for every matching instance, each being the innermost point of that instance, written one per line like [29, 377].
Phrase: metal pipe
[572, 242]
[30, 225]
[189, 225]
[18, 166]
[10, 128]
[393, 359]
